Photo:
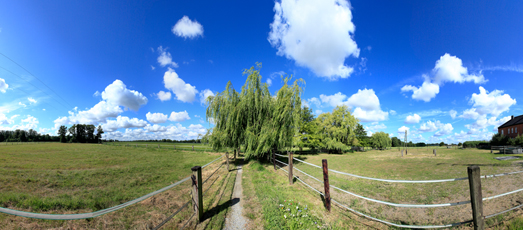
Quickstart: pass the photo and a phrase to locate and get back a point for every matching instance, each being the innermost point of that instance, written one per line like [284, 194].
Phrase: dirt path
[235, 219]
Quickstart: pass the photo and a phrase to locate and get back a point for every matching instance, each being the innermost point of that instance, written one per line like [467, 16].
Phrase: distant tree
[460, 144]
[89, 131]
[336, 129]
[99, 133]
[62, 131]
[442, 144]
[498, 139]
[396, 142]
[361, 135]
[307, 135]
[381, 140]
[72, 132]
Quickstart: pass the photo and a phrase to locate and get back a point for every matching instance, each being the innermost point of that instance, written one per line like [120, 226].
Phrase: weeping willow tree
[337, 129]
[254, 118]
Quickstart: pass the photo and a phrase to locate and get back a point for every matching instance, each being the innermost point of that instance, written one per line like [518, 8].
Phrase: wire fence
[118, 207]
[280, 164]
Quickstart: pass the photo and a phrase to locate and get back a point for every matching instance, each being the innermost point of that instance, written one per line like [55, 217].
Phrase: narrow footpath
[235, 220]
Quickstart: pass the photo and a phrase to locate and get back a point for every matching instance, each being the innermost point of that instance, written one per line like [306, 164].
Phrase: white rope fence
[404, 205]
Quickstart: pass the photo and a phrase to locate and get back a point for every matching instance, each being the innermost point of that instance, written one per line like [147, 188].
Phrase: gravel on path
[235, 219]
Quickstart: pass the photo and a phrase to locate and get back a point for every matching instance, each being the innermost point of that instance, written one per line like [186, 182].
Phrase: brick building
[513, 127]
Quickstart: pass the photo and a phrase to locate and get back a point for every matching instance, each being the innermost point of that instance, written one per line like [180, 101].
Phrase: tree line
[25, 136]
[80, 133]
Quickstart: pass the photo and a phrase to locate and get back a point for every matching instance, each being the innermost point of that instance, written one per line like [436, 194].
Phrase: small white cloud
[183, 91]
[164, 96]
[96, 94]
[453, 113]
[3, 85]
[152, 67]
[402, 129]
[317, 34]
[43, 109]
[412, 119]
[187, 29]
[426, 92]
[493, 103]
[429, 126]
[31, 100]
[366, 102]
[269, 81]
[204, 95]
[22, 104]
[156, 117]
[118, 94]
[444, 130]
[123, 122]
[165, 58]
[179, 116]
[392, 112]
[4, 120]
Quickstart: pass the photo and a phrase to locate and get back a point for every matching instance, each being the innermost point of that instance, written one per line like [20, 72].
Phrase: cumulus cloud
[453, 113]
[365, 103]
[22, 104]
[165, 58]
[179, 116]
[156, 132]
[444, 130]
[29, 122]
[317, 34]
[186, 28]
[493, 103]
[269, 81]
[156, 117]
[411, 119]
[204, 95]
[183, 91]
[123, 122]
[118, 94]
[392, 112]
[164, 96]
[402, 129]
[447, 69]
[428, 126]
[3, 85]
[4, 120]
[425, 92]
[97, 114]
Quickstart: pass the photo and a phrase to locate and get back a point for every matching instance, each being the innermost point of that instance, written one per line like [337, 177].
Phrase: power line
[36, 78]
[32, 85]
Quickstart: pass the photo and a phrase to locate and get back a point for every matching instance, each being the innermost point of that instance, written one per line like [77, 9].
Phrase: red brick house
[513, 127]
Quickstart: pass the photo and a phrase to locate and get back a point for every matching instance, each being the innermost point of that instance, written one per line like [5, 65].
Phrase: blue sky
[445, 70]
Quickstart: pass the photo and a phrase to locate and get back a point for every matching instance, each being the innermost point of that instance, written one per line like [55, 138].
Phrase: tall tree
[254, 118]
[337, 128]
[99, 133]
[72, 132]
[396, 142]
[307, 135]
[89, 133]
[62, 131]
[381, 140]
[361, 136]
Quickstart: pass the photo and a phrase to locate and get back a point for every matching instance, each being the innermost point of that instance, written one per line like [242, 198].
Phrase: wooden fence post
[158, 145]
[193, 148]
[274, 159]
[401, 153]
[291, 177]
[227, 157]
[174, 147]
[476, 197]
[326, 186]
[434, 151]
[197, 196]
[146, 145]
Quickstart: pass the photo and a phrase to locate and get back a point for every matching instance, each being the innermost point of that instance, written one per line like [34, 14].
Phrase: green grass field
[419, 164]
[77, 178]
[166, 145]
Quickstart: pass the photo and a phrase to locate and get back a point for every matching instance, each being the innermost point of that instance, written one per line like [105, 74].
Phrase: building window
[502, 132]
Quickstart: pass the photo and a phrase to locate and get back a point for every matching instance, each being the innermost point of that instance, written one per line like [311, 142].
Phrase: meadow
[419, 164]
[77, 178]
[167, 145]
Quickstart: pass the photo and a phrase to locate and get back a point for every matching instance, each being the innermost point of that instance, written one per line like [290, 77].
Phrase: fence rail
[478, 219]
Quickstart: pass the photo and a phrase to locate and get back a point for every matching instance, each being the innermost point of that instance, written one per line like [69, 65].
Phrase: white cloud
[316, 34]
[31, 100]
[156, 132]
[426, 92]
[411, 119]
[444, 130]
[312, 101]
[4, 120]
[123, 122]
[392, 112]
[429, 126]
[22, 104]
[269, 81]
[156, 117]
[29, 122]
[97, 114]
[187, 29]
[450, 69]
[183, 91]
[152, 67]
[118, 94]
[402, 129]
[453, 113]
[493, 103]
[375, 126]
[3, 85]
[96, 94]
[365, 102]
[179, 116]
[165, 58]
[204, 94]
[164, 96]
[447, 69]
